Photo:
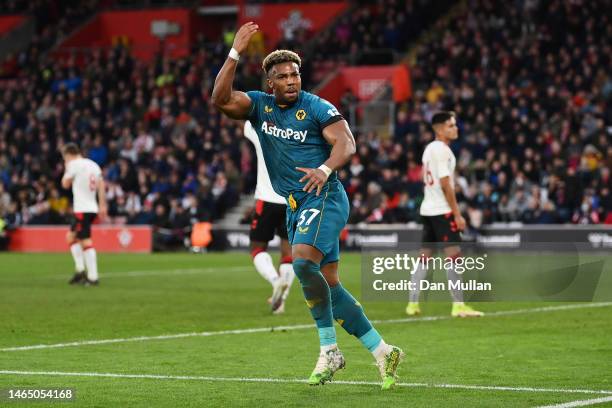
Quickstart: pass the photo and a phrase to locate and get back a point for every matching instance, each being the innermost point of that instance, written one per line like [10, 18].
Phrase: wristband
[325, 170]
[233, 54]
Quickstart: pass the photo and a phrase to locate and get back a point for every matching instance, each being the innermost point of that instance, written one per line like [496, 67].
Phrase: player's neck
[443, 140]
[73, 158]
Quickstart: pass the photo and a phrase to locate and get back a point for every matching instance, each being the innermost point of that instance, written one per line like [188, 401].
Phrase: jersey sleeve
[440, 161]
[249, 132]
[255, 97]
[326, 113]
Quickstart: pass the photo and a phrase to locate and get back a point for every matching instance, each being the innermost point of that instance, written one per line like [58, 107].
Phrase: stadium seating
[53, 20]
[534, 113]
[158, 141]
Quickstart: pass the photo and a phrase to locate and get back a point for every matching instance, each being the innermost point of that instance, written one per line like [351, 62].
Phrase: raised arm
[341, 138]
[234, 104]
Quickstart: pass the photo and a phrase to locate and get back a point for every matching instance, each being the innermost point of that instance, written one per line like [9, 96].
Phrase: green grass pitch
[543, 356]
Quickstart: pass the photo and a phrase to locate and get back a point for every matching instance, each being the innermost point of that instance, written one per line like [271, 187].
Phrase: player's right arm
[235, 104]
[440, 157]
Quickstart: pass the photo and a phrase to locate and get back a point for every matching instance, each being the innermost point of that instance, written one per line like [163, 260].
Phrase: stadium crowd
[53, 20]
[167, 155]
[531, 86]
[169, 158]
[532, 89]
[374, 33]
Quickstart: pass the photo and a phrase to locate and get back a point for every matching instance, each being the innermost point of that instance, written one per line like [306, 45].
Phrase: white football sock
[416, 278]
[264, 265]
[325, 349]
[92, 264]
[77, 255]
[381, 351]
[286, 271]
[456, 294]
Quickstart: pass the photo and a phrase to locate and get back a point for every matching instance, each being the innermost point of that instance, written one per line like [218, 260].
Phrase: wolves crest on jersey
[292, 136]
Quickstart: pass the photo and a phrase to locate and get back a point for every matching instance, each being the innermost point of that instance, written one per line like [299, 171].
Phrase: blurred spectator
[530, 83]
[160, 150]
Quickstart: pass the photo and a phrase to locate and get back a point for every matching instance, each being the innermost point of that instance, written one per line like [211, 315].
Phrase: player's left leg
[448, 236]
[89, 252]
[460, 309]
[91, 261]
[265, 266]
[285, 270]
[349, 313]
[260, 234]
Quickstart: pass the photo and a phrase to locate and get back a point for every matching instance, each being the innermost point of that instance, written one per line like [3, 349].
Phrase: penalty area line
[544, 309]
[300, 381]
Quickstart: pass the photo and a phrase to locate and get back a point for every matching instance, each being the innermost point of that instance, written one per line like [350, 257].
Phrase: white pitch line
[293, 327]
[302, 381]
[189, 271]
[502, 312]
[582, 403]
[168, 272]
[161, 337]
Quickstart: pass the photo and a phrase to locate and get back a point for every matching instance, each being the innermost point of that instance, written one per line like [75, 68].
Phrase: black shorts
[81, 224]
[269, 218]
[440, 229]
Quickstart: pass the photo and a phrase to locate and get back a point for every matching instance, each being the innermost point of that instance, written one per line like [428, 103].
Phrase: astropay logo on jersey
[272, 130]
